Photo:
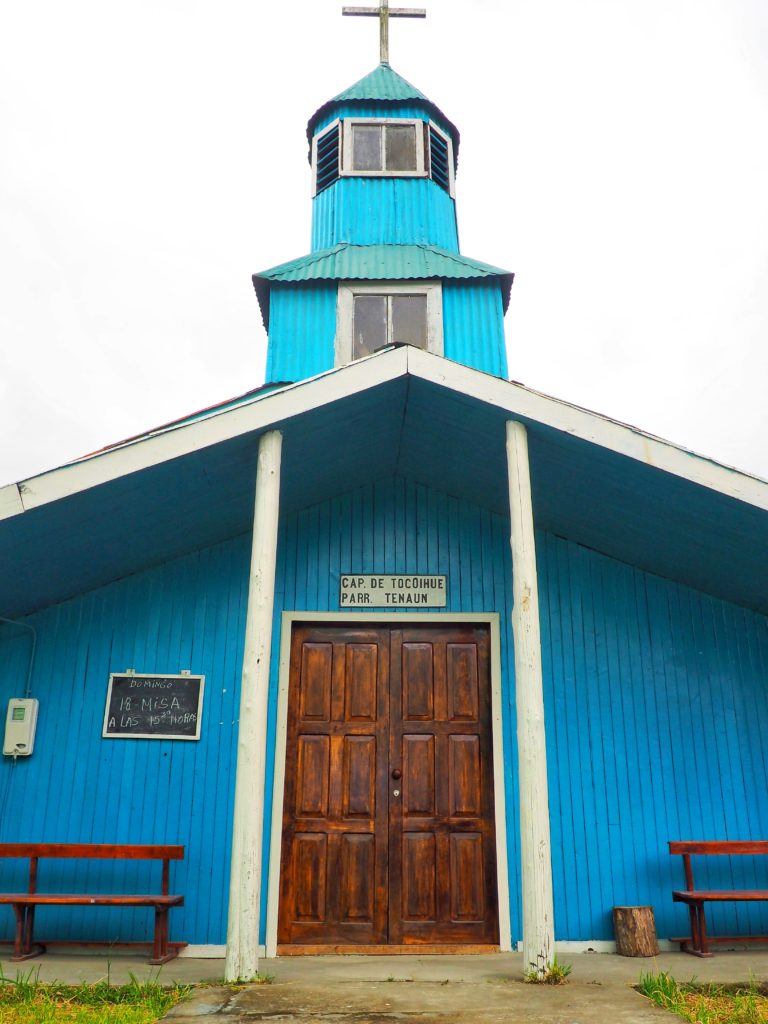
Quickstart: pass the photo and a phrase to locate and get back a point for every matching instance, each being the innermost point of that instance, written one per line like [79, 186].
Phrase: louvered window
[326, 160]
[439, 158]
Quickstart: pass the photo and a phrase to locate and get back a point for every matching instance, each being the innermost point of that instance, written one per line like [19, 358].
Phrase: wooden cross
[384, 12]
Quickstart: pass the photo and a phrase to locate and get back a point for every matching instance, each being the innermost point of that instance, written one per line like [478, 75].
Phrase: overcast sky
[614, 155]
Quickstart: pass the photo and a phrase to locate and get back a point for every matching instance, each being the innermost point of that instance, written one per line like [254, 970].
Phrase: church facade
[414, 733]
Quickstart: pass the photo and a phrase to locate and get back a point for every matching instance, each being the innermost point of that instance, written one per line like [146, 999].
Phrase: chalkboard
[144, 707]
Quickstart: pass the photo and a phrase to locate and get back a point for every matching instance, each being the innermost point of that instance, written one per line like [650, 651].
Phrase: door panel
[388, 825]
[335, 804]
[442, 836]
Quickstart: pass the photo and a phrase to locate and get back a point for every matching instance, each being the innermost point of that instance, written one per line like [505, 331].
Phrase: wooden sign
[146, 707]
[387, 591]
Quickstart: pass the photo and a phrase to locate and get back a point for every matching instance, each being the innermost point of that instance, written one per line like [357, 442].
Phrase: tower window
[390, 148]
[384, 148]
[380, 320]
[370, 317]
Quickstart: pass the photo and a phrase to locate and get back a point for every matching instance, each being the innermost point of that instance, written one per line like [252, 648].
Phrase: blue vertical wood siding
[655, 699]
[78, 787]
[657, 725]
[302, 331]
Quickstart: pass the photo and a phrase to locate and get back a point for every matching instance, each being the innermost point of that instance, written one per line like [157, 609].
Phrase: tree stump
[635, 931]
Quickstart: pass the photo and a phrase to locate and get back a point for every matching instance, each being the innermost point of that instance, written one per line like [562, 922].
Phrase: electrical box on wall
[20, 723]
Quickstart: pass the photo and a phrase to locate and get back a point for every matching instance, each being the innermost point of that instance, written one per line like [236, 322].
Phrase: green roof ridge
[383, 83]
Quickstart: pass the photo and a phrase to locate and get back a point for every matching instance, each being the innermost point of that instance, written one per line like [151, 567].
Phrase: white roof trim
[591, 426]
[264, 410]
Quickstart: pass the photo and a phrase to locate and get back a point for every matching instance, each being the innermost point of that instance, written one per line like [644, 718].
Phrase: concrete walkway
[418, 989]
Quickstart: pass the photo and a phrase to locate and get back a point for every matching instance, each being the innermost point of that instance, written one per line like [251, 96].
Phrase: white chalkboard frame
[114, 735]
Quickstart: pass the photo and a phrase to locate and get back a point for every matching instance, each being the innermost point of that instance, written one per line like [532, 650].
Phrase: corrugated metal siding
[473, 326]
[656, 730]
[78, 787]
[302, 329]
[397, 526]
[380, 211]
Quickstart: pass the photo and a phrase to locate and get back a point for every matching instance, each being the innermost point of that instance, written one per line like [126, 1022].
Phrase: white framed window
[383, 147]
[371, 316]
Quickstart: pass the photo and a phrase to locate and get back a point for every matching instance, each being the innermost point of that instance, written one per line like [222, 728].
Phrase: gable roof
[404, 412]
[384, 85]
[345, 262]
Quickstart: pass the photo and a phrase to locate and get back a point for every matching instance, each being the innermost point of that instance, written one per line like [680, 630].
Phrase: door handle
[397, 774]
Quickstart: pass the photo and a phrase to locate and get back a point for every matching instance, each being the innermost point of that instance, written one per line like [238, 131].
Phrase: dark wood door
[388, 816]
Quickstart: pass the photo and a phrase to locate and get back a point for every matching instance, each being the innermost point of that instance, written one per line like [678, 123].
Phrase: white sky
[152, 156]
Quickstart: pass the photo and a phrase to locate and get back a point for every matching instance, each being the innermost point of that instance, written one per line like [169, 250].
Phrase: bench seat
[695, 899]
[719, 895]
[24, 903]
[86, 899]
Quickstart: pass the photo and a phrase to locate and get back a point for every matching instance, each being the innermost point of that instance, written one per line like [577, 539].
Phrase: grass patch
[554, 974]
[708, 1004]
[26, 1000]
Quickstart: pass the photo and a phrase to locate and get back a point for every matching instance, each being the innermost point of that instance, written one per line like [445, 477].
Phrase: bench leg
[161, 953]
[703, 944]
[23, 947]
[698, 945]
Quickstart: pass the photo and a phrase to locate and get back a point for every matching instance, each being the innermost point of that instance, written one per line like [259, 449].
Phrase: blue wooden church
[468, 656]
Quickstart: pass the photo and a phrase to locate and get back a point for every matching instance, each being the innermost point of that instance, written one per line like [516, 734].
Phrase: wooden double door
[388, 813]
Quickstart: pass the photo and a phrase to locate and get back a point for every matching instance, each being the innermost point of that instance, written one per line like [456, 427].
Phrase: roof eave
[266, 409]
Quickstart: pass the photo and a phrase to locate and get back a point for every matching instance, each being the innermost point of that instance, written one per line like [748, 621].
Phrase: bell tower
[384, 266]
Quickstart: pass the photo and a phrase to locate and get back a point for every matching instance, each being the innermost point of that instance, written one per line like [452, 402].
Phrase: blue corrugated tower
[385, 267]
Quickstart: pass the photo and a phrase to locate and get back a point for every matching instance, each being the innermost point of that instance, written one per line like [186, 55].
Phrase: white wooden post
[245, 873]
[535, 848]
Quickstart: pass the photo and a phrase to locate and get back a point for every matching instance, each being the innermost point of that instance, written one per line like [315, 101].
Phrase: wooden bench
[24, 903]
[698, 942]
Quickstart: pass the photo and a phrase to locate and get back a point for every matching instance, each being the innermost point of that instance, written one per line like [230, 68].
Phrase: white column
[248, 828]
[535, 848]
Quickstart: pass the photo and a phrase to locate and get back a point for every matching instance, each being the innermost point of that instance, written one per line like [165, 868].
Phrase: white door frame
[490, 619]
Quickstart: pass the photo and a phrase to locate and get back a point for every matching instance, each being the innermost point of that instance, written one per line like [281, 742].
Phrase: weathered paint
[380, 211]
[248, 814]
[535, 846]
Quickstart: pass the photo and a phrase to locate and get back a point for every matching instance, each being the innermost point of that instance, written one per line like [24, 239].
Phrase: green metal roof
[383, 85]
[345, 262]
